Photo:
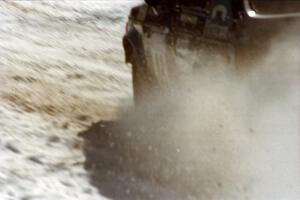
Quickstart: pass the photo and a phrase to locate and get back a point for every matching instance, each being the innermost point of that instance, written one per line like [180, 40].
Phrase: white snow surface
[61, 68]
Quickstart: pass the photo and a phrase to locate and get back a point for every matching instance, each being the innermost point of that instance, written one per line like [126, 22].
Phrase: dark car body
[163, 35]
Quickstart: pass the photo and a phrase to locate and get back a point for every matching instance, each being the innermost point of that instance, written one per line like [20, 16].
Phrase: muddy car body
[222, 34]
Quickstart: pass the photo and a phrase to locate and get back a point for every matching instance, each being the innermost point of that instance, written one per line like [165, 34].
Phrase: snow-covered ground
[61, 68]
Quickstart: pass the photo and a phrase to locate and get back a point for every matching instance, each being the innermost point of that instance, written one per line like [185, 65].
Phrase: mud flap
[133, 46]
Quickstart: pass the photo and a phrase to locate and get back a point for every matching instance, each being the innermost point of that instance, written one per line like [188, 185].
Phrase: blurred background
[62, 68]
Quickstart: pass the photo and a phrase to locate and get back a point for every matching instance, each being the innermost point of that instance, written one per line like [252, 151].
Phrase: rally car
[168, 42]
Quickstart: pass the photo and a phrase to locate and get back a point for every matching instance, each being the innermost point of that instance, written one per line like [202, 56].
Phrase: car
[168, 41]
